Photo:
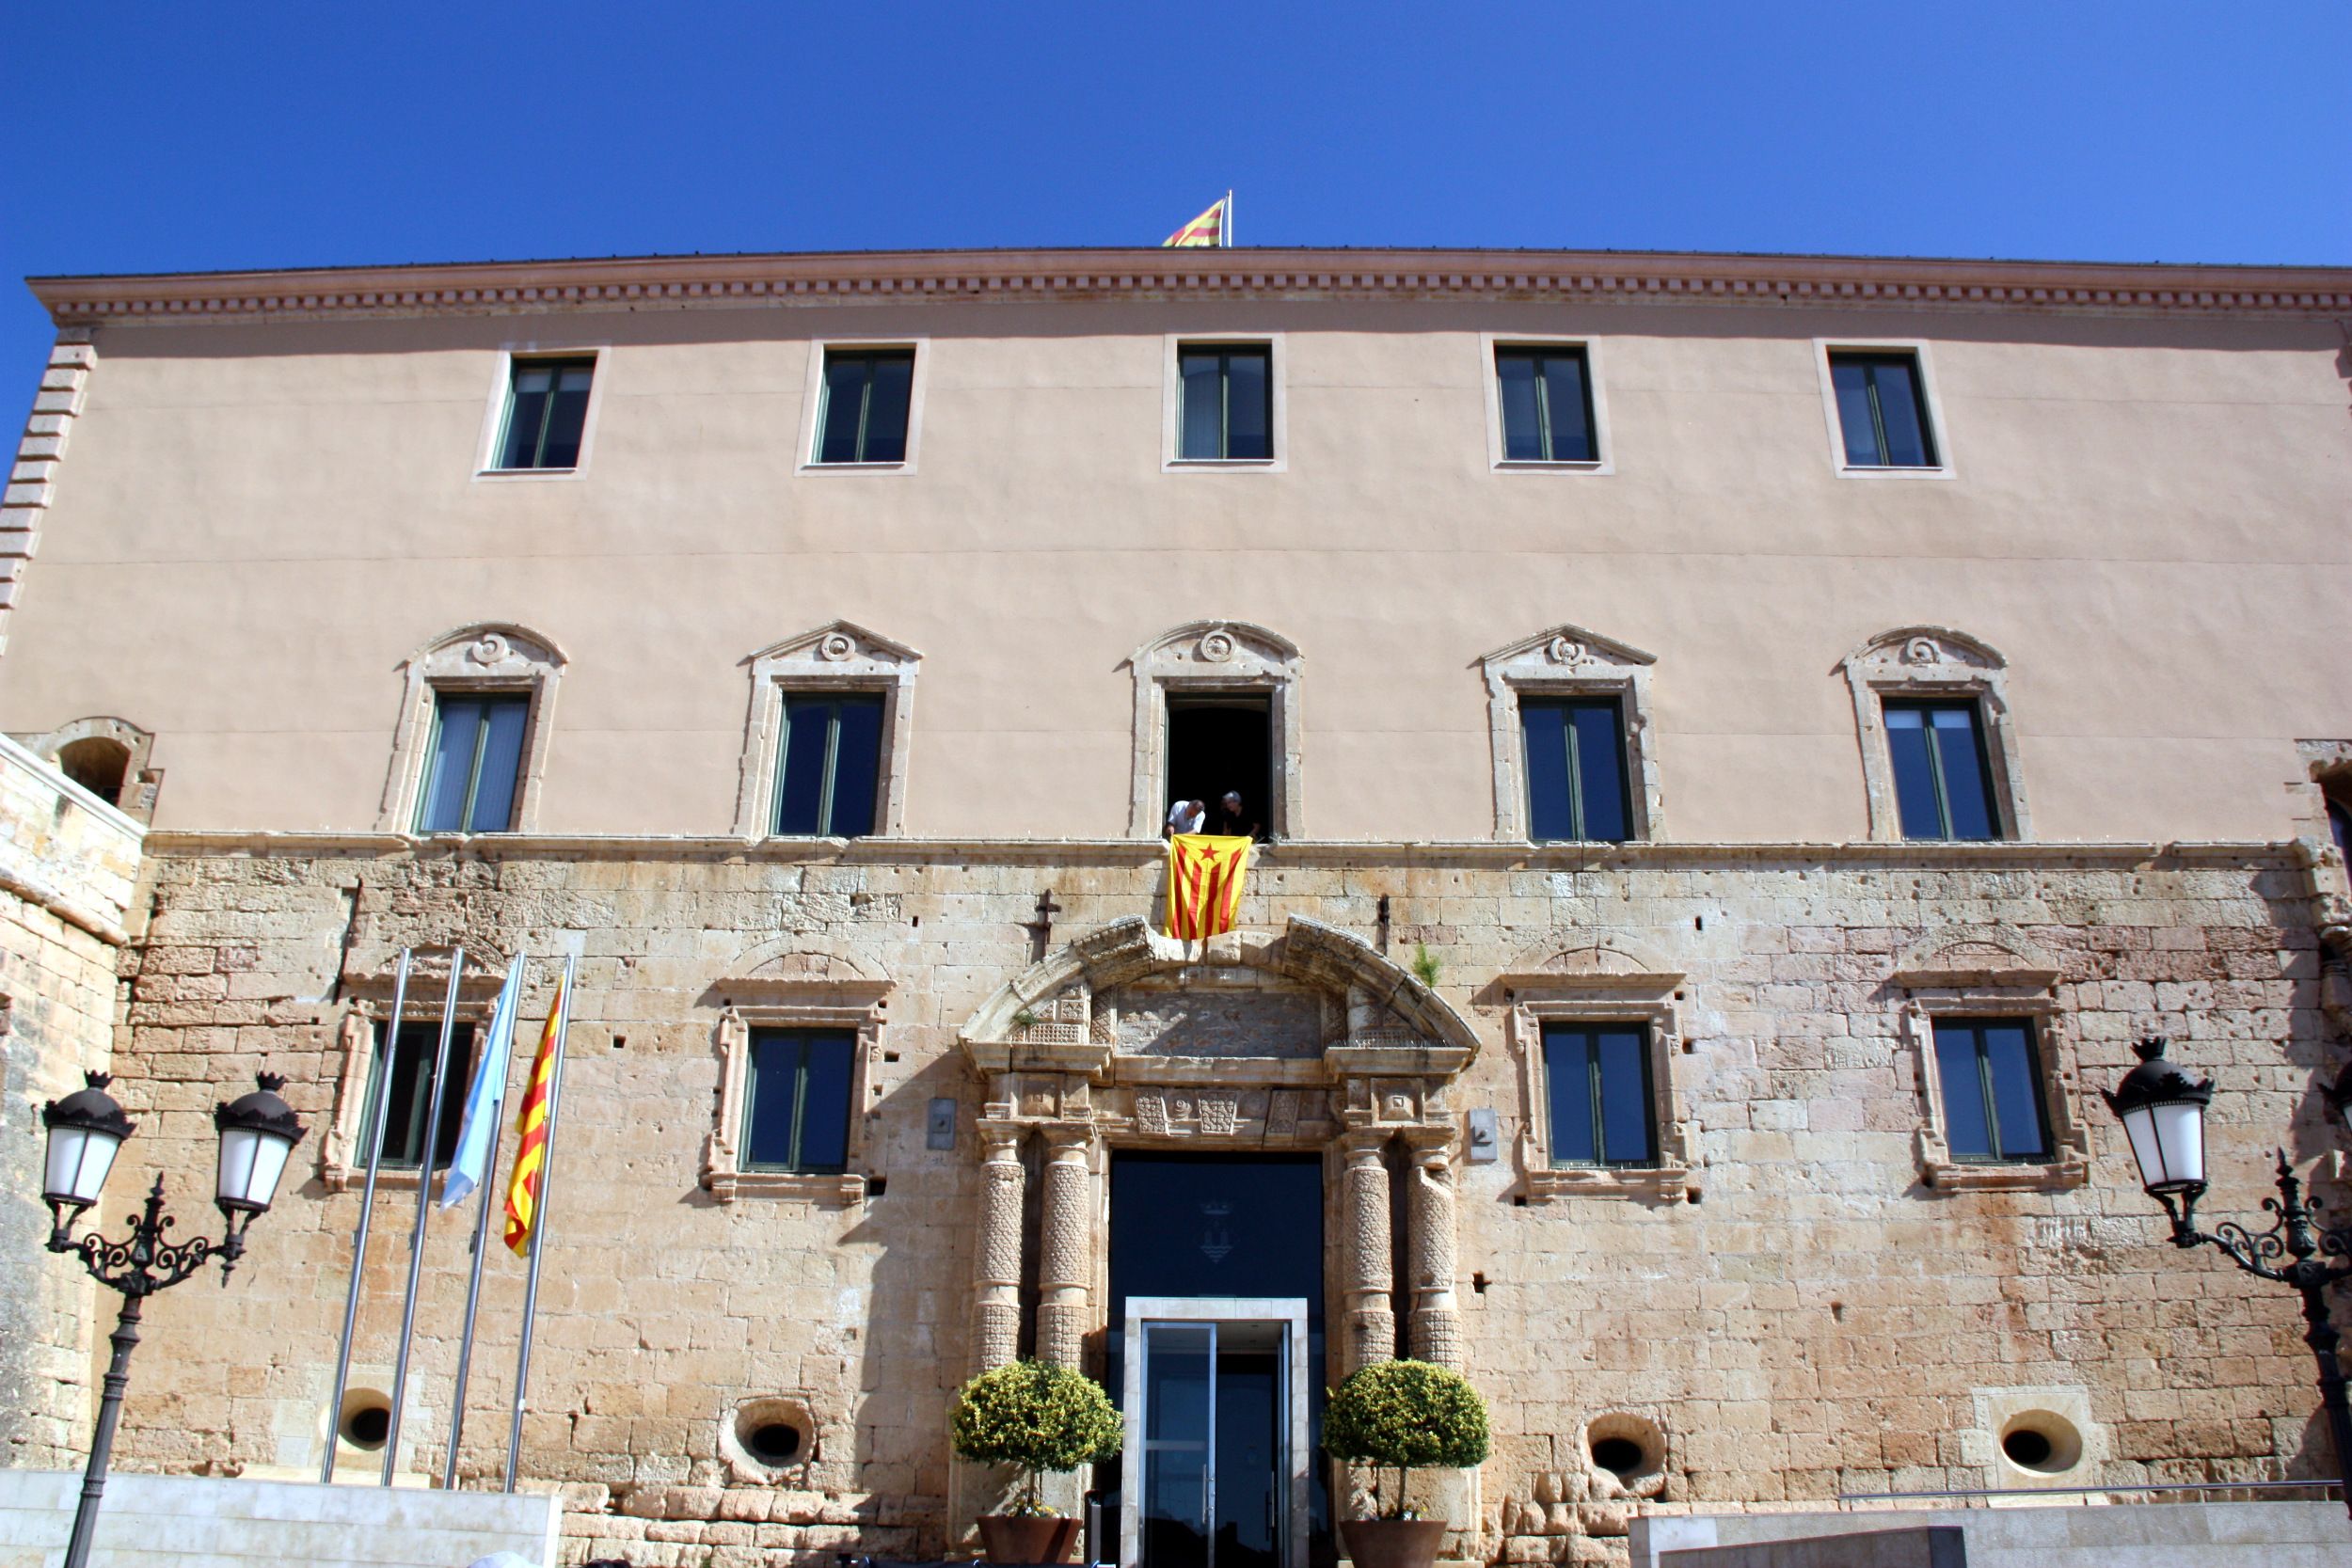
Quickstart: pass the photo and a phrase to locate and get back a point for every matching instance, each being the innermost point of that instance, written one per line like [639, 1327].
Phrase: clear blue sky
[160, 137]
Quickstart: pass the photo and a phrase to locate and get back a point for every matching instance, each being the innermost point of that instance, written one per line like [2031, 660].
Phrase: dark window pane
[566, 420]
[1551, 809]
[526, 414]
[1914, 773]
[1567, 402]
[2015, 1077]
[1568, 1075]
[1967, 793]
[1901, 416]
[456, 727]
[825, 1105]
[1851, 380]
[773, 1090]
[1248, 407]
[1200, 409]
[845, 409]
[1601, 770]
[887, 399]
[1625, 1097]
[807, 735]
[856, 765]
[411, 1093]
[1967, 1132]
[546, 407]
[1515, 378]
[501, 761]
[2340, 824]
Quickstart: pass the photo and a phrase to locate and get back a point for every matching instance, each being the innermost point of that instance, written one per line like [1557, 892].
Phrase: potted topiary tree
[1402, 1416]
[1039, 1416]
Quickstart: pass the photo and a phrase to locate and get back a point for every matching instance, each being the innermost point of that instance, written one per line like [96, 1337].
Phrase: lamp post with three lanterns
[86, 1131]
[2163, 1111]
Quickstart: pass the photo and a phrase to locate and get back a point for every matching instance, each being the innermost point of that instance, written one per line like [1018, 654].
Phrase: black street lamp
[86, 1132]
[2163, 1111]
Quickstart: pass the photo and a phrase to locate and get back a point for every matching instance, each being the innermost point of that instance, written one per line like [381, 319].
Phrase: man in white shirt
[1185, 817]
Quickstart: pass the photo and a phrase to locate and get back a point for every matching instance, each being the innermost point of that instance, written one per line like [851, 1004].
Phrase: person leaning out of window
[1233, 820]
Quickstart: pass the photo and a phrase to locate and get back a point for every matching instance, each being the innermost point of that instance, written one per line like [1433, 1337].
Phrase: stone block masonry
[1812, 1299]
[67, 863]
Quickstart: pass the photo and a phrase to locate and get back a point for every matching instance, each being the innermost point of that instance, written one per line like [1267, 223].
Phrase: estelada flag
[530, 1158]
[1208, 229]
[1204, 878]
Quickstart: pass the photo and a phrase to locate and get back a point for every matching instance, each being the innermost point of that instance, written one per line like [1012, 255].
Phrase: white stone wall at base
[1803, 1314]
[2129, 1535]
[205, 1522]
[68, 862]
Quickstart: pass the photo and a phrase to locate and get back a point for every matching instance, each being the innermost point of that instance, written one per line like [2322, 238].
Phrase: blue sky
[168, 138]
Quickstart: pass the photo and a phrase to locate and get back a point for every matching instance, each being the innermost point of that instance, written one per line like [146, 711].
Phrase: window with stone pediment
[800, 1023]
[1939, 749]
[1568, 714]
[470, 748]
[1216, 710]
[826, 745]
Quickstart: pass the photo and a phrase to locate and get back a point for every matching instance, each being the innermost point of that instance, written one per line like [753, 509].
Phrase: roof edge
[810, 278]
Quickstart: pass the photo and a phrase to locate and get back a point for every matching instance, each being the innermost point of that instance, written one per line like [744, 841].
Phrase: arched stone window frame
[1988, 973]
[141, 783]
[1576, 979]
[1932, 662]
[368, 1009]
[839, 655]
[1567, 660]
[1202, 656]
[486, 657]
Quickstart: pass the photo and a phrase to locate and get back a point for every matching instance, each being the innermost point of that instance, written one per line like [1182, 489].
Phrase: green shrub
[1406, 1414]
[1039, 1416]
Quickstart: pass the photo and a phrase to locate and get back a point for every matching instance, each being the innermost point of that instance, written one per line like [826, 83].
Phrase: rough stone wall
[67, 866]
[1798, 1315]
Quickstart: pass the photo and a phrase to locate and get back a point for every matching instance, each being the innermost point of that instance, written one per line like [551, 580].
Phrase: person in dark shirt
[1232, 819]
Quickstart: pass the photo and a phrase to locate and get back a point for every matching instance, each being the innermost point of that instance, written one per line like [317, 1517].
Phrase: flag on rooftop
[1204, 878]
[1212, 227]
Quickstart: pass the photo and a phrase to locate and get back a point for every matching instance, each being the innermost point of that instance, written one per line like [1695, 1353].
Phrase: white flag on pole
[479, 1132]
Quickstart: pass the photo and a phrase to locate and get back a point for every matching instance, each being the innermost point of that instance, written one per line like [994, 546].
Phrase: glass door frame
[1287, 1313]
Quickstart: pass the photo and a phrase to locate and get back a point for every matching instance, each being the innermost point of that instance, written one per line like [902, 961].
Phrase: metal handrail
[2322, 1485]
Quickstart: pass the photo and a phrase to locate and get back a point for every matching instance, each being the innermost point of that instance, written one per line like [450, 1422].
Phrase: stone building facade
[2126, 561]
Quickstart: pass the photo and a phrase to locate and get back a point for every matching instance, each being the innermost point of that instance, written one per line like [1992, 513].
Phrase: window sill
[1222, 464]
[528, 473]
[902, 466]
[2069, 1169]
[1668, 1181]
[337, 1177]
[1551, 466]
[1854, 470]
[816, 1186]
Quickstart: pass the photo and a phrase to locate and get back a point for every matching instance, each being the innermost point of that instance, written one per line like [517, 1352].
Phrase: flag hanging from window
[531, 1157]
[1204, 878]
[1213, 227]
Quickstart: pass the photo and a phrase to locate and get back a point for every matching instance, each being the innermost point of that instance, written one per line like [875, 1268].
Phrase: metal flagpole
[1227, 226]
[425, 1208]
[473, 1286]
[373, 1123]
[539, 1221]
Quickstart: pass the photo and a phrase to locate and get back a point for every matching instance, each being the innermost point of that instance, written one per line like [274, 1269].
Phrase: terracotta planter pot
[1393, 1543]
[1018, 1538]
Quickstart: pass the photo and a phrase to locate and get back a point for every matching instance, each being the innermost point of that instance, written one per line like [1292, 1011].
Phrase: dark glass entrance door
[1215, 1454]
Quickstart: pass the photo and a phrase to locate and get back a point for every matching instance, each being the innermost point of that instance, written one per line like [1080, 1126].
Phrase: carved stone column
[1370, 1319]
[1065, 1245]
[1437, 1328]
[997, 1287]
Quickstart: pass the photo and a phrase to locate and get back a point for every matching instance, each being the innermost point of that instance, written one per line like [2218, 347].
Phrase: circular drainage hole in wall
[366, 1424]
[2042, 1442]
[774, 1442]
[1621, 1456]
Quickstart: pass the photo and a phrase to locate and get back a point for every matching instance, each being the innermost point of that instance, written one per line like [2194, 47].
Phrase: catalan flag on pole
[1212, 227]
[1204, 878]
[531, 1157]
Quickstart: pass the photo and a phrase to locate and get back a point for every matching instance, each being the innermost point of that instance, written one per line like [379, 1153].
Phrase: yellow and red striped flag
[530, 1159]
[1213, 226]
[1204, 878]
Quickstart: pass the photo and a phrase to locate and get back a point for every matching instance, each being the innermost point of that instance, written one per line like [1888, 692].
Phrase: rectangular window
[796, 1100]
[1547, 400]
[1991, 1076]
[1576, 774]
[830, 776]
[1225, 401]
[866, 397]
[546, 408]
[1598, 1080]
[474, 767]
[1882, 410]
[1943, 783]
[411, 1093]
